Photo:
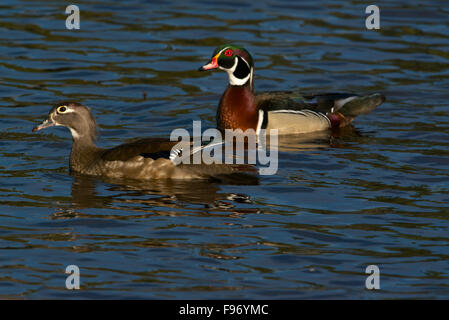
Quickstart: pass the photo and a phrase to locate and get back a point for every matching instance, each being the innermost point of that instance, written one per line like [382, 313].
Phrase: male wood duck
[289, 112]
[144, 159]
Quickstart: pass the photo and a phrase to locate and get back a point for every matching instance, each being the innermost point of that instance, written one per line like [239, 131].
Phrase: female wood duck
[289, 112]
[144, 159]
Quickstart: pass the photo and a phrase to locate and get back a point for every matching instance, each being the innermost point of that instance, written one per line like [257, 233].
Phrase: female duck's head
[74, 116]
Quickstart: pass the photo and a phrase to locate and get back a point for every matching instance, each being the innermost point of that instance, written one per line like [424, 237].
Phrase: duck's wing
[350, 105]
[179, 153]
[156, 148]
[116, 159]
[148, 148]
[279, 100]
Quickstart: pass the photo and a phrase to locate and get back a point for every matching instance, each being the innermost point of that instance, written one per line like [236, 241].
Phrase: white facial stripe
[219, 53]
[249, 67]
[234, 81]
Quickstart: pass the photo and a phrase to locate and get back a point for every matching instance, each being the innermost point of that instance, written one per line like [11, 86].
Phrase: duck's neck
[237, 108]
[83, 155]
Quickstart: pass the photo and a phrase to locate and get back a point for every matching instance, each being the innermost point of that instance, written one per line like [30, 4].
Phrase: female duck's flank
[289, 111]
[143, 159]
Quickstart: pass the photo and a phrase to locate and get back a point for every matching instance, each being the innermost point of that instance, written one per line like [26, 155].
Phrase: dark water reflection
[374, 193]
[163, 193]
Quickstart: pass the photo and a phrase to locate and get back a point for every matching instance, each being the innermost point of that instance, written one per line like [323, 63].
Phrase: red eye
[228, 53]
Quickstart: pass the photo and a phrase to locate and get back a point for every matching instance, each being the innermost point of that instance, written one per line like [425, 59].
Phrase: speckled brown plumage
[143, 159]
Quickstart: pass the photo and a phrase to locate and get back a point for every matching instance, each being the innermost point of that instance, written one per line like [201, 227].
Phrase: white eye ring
[61, 109]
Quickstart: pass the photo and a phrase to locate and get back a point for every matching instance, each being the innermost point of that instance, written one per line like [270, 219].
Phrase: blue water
[375, 193]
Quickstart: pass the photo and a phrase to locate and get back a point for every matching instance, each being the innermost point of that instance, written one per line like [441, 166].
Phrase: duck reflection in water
[316, 140]
[147, 198]
[148, 195]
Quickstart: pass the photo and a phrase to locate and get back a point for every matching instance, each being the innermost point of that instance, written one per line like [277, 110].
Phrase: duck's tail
[346, 110]
[359, 105]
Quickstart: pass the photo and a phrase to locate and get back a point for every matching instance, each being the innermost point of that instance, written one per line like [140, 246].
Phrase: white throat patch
[75, 134]
[233, 80]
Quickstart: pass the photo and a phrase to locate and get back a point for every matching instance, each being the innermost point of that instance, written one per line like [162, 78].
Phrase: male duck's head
[236, 61]
[74, 116]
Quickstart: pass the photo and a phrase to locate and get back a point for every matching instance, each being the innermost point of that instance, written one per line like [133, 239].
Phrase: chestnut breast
[237, 109]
